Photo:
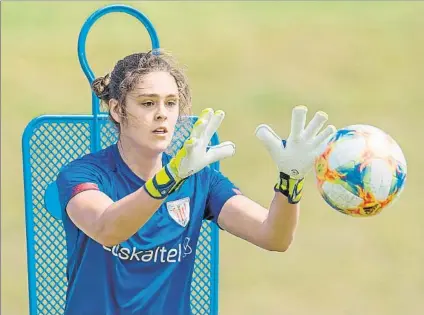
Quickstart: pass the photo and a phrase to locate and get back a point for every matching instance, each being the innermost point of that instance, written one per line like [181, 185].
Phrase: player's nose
[161, 112]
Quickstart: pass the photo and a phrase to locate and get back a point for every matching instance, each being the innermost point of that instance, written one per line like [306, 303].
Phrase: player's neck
[143, 163]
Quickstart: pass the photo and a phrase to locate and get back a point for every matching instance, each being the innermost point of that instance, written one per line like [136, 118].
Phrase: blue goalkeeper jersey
[151, 272]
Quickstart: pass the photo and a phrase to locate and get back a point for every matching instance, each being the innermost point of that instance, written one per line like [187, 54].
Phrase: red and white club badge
[179, 210]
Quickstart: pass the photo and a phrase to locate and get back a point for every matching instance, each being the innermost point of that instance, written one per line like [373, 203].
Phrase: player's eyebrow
[152, 95]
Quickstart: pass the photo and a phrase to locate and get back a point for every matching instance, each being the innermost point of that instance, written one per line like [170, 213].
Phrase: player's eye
[147, 103]
[171, 103]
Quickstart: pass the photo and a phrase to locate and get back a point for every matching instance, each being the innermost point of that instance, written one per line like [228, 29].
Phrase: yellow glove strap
[162, 184]
[290, 187]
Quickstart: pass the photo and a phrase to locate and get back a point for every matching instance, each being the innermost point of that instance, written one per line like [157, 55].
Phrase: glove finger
[189, 144]
[199, 128]
[220, 151]
[315, 125]
[269, 138]
[213, 125]
[206, 114]
[328, 132]
[201, 123]
[298, 122]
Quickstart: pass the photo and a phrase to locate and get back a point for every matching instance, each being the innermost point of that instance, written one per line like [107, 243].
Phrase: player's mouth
[160, 131]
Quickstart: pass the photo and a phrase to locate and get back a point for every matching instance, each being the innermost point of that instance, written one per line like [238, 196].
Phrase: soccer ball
[360, 170]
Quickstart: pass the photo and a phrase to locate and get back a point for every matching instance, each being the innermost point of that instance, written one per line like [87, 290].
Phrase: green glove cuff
[290, 187]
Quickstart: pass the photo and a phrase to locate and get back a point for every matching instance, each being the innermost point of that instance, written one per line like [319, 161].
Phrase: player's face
[153, 110]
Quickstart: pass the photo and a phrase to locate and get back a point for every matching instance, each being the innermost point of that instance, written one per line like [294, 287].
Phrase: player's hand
[193, 156]
[295, 157]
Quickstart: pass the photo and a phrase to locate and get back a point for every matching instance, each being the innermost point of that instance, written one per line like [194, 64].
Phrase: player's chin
[160, 146]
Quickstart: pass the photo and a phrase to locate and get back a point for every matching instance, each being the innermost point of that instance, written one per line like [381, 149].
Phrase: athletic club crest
[179, 210]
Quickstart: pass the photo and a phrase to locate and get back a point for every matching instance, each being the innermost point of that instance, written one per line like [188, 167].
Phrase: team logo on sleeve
[179, 210]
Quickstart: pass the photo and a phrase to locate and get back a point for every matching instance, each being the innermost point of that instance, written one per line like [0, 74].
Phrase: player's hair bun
[100, 87]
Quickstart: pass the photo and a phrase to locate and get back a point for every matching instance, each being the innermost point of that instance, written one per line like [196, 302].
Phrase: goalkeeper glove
[192, 157]
[295, 157]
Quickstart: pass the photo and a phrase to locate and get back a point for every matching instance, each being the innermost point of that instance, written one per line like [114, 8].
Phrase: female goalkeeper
[133, 214]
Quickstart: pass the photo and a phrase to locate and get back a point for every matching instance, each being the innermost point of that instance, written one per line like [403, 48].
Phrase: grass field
[361, 62]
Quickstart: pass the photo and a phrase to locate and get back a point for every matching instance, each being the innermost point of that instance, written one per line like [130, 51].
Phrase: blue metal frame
[215, 250]
[98, 14]
[94, 121]
[82, 57]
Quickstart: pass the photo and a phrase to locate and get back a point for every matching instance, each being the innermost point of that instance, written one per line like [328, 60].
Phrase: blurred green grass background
[361, 62]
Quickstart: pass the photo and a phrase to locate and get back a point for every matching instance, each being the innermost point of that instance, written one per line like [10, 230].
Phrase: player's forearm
[281, 223]
[125, 217]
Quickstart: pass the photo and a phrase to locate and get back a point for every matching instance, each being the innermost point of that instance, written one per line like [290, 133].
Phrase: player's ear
[115, 110]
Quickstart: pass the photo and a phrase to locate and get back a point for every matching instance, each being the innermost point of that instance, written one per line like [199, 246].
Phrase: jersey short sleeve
[220, 190]
[76, 177]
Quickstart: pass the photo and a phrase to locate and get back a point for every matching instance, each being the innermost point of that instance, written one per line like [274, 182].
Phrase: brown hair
[127, 74]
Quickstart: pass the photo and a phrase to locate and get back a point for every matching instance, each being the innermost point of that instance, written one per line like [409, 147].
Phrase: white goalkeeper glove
[192, 157]
[295, 157]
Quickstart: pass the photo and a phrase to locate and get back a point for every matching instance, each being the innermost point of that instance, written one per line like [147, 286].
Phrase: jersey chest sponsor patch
[179, 210]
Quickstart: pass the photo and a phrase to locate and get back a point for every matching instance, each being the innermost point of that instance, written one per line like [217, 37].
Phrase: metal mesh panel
[49, 144]
[52, 145]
